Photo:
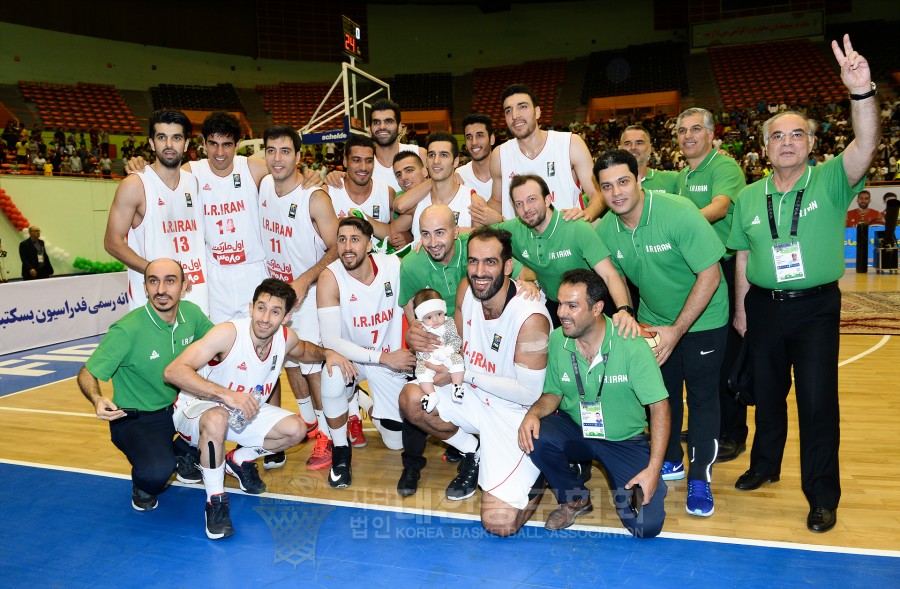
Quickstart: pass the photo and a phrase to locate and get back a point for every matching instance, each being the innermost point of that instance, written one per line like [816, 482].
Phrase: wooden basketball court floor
[52, 427]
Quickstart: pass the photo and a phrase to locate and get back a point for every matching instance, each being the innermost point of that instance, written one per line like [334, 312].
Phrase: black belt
[786, 295]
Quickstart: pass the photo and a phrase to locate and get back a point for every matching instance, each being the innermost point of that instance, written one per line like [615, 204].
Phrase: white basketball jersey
[242, 370]
[459, 205]
[377, 206]
[553, 164]
[385, 175]
[289, 238]
[489, 346]
[470, 179]
[230, 208]
[172, 227]
[371, 316]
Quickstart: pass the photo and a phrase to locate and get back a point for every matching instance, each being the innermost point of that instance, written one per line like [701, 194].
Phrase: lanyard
[795, 220]
[578, 377]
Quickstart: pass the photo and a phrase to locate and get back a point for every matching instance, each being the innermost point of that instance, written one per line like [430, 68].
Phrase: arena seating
[81, 106]
[750, 74]
[543, 77]
[637, 69]
[180, 96]
[293, 103]
[431, 91]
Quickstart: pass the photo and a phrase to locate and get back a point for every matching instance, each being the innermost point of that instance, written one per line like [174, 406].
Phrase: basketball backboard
[352, 115]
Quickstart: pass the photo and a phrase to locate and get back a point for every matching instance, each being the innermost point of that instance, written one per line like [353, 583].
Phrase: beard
[492, 289]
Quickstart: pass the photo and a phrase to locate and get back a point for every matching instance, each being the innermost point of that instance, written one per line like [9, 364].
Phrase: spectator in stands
[38, 162]
[76, 165]
[65, 165]
[106, 166]
[104, 142]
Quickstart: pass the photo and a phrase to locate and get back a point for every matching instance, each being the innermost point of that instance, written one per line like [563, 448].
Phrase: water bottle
[236, 419]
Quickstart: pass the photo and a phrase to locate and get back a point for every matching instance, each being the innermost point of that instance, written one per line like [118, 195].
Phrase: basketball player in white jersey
[505, 341]
[363, 193]
[442, 157]
[229, 200]
[298, 233]
[384, 126]
[409, 169]
[158, 213]
[478, 130]
[561, 159]
[233, 359]
[360, 315]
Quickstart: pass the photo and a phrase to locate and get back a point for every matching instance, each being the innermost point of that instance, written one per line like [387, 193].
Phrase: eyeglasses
[796, 135]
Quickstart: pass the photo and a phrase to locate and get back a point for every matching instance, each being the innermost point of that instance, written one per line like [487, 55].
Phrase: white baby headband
[430, 306]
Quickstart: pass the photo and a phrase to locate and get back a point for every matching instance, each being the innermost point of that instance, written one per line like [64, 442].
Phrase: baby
[431, 310]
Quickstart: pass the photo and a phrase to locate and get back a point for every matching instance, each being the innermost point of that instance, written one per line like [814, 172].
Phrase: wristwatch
[865, 95]
[627, 309]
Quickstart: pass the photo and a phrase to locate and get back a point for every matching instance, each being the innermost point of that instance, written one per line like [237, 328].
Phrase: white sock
[306, 410]
[463, 441]
[243, 454]
[323, 424]
[339, 435]
[213, 480]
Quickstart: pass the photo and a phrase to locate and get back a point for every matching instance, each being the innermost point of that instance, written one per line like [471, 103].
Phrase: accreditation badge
[592, 425]
[788, 262]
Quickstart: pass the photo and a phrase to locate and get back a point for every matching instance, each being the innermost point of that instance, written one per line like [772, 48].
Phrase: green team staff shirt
[670, 245]
[564, 245]
[661, 180]
[820, 232]
[632, 381]
[717, 174]
[137, 349]
[418, 271]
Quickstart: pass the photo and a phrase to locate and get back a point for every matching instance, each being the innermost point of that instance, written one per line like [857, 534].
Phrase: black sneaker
[409, 481]
[218, 517]
[339, 477]
[465, 483]
[275, 460]
[142, 501]
[246, 473]
[187, 470]
[451, 454]
[581, 470]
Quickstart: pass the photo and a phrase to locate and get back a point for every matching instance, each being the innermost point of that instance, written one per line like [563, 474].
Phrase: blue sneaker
[673, 471]
[699, 499]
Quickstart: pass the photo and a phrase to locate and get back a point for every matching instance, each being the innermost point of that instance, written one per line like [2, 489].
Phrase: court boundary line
[465, 517]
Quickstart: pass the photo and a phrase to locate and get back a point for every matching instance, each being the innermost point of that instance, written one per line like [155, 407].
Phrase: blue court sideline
[66, 529]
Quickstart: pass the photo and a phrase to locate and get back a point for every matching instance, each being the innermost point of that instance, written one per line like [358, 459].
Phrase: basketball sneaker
[355, 432]
[321, 454]
[311, 428]
[142, 501]
[247, 474]
[340, 476]
[187, 470]
[673, 471]
[699, 499]
[275, 460]
[451, 454]
[218, 517]
[465, 483]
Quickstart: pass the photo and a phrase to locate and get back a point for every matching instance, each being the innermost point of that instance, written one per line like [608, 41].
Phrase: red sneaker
[311, 428]
[355, 432]
[321, 454]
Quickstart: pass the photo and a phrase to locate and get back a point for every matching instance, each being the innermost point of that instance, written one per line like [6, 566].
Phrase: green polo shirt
[564, 245]
[820, 232]
[418, 271]
[717, 174]
[137, 349]
[632, 380]
[661, 180]
[670, 245]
